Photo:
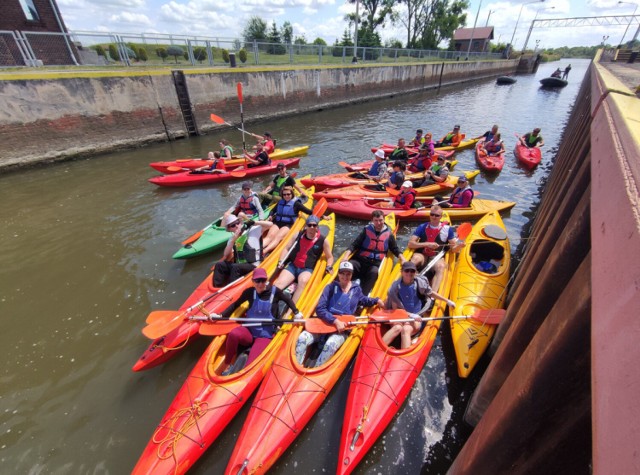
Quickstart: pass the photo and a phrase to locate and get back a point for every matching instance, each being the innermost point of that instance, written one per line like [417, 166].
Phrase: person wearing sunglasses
[438, 172]
[338, 298]
[283, 216]
[308, 246]
[263, 300]
[461, 196]
[243, 252]
[452, 139]
[281, 180]
[370, 247]
[412, 293]
[428, 239]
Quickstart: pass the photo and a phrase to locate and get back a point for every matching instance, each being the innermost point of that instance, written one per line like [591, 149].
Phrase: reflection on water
[86, 254]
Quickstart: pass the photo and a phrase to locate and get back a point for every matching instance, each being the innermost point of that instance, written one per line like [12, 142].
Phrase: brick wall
[13, 17]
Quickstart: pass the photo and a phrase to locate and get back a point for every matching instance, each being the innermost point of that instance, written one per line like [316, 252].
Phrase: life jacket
[375, 168]
[261, 309]
[396, 178]
[279, 182]
[436, 169]
[374, 245]
[247, 206]
[492, 146]
[456, 196]
[402, 197]
[339, 302]
[438, 235]
[285, 212]
[409, 297]
[226, 147]
[269, 146]
[399, 154]
[244, 252]
[532, 139]
[422, 163]
[307, 251]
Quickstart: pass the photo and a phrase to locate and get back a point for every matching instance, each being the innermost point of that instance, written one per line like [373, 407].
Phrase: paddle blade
[397, 314]
[193, 238]
[161, 327]
[392, 191]
[217, 328]
[217, 119]
[238, 174]
[344, 164]
[464, 230]
[408, 212]
[317, 325]
[164, 315]
[320, 207]
[490, 316]
[176, 169]
[239, 88]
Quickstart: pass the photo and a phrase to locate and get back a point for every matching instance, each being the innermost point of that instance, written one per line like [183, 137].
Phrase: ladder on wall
[185, 103]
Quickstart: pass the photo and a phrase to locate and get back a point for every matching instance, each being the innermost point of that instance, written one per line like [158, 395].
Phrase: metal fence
[22, 48]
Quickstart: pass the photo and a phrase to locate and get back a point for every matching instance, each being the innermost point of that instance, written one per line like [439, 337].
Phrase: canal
[85, 253]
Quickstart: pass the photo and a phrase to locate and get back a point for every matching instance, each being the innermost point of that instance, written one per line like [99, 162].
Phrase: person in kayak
[418, 140]
[488, 135]
[243, 251]
[413, 294]
[269, 143]
[494, 146]
[452, 139]
[283, 216]
[407, 196]
[248, 205]
[461, 196]
[424, 159]
[263, 300]
[258, 159]
[338, 298]
[532, 139]
[557, 73]
[370, 247]
[565, 73]
[400, 152]
[396, 177]
[379, 168]
[279, 181]
[226, 151]
[438, 172]
[307, 246]
[429, 239]
[216, 166]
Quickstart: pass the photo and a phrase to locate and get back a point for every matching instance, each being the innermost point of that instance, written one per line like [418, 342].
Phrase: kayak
[553, 82]
[340, 180]
[362, 209]
[195, 179]
[365, 166]
[235, 162]
[479, 282]
[492, 164]
[291, 394]
[357, 192]
[505, 80]
[528, 157]
[381, 381]
[217, 300]
[388, 148]
[208, 400]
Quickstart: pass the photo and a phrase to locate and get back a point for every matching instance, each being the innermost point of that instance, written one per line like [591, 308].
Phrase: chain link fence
[81, 48]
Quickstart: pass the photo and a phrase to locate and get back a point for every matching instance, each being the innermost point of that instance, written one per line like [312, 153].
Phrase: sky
[326, 18]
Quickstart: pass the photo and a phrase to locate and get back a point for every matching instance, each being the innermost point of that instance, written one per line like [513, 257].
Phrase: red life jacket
[432, 235]
[375, 245]
[456, 197]
[308, 251]
[247, 206]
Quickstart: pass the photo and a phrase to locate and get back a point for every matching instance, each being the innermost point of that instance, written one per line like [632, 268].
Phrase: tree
[255, 30]
[429, 22]
[286, 32]
[274, 37]
[175, 51]
[300, 40]
[113, 52]
[319, 42]
[100, 50]
[162, 52]
[376, 13]
[225, 55]
[142, 54]
[199, 54]
[242, 55]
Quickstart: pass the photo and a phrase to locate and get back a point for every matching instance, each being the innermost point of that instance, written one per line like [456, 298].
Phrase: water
[85, 252]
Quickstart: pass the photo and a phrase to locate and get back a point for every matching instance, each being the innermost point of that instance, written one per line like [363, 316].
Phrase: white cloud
[129, 18]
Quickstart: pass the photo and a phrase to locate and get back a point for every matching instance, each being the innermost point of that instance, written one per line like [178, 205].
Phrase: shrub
[113, 53]
[175, 51]
[242, 55]
[100, 50]
[142, 54]
[199, 54]
[225, 55]
[162, 53]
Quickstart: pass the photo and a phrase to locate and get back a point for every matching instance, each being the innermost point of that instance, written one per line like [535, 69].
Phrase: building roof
[481, 33]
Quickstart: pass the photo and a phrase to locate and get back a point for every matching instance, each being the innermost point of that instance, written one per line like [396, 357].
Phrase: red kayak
[365, 166]
[528, 157]
[381, 381]
[489, 163]
[388, 148]
[195, 179]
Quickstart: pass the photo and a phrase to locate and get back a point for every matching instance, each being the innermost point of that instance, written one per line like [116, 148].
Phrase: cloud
[129, 18]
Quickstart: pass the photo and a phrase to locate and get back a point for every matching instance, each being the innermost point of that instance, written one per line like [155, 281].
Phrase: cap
[380, 153]
[456, 127]
[462, 178]
[440, 157]
[281, 165]
[232, 218]
[259, 273]
[246, 185]
[419, 131]
[346, 265]
[407, 184]
[409, 266]
[312, 219]
[267, 134]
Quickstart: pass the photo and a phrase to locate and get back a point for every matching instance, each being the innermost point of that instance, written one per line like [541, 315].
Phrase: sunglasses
[435, 215]
[259, 281]
[233, 225]
[312, 225]
[409, 271]
[287, 194]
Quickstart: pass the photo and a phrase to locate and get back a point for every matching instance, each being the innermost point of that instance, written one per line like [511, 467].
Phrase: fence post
[122, 48]
[319, 54]
[190, 53]
[255, 52]
[290, 53]
[209, 52]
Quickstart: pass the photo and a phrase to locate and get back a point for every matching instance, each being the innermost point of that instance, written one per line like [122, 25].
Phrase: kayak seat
[487, 256]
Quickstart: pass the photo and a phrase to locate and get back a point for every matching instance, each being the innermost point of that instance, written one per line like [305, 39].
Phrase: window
[29, 10]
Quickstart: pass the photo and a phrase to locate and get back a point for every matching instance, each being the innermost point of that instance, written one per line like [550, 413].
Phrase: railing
[26, 48]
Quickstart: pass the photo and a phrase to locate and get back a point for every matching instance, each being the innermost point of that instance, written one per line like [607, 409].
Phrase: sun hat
[380, 153]
[229, 220]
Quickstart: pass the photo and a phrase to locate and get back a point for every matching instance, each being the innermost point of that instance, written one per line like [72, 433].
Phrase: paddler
[453, 138]
[488, 135]
[308, 246]
[413, 294]
[263, 300]
[258, 159]
[243, 252]
[248, 205]
[532, 139]
[216, 166]
[429, 238]
[461, 196]
[438, 172]
[279, 181]
[379, 168]
[396, 177]
[338, 298]
[494, 146]
[407, 196]
[370, 247]
[418, 140]
[226, 151]
[424, 159]
[400, 152]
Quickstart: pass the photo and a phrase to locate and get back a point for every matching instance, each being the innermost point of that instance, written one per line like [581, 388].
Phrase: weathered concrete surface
[55, 119]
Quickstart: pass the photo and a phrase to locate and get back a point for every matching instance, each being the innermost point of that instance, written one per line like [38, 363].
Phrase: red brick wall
[13, 17]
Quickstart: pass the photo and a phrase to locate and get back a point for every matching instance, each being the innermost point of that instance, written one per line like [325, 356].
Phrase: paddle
[224, 327]
[196, 236]
[239, 89]
[463, 231]
[219, 120]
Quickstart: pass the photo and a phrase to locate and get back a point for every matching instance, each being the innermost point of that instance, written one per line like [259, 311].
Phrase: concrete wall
[54, 119]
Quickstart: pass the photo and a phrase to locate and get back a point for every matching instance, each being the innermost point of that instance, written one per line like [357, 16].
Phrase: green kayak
[213, 237]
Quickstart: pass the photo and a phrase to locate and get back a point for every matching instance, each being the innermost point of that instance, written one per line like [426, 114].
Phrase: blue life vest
[262, 309]
[285, 214]
[375, 168]
[374, 245]
[409, 297]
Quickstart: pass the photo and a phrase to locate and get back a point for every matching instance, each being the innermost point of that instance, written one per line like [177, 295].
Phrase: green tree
[142, 54]
[319, 42]
[429, 22]
[113, 53]
[300, 40]
[286, 32]
[255, 30]
[242, 55]
[274, 37]
[199, 54]
[376, 13]
[225, 55]
[100, 50]
[162, 53]
[175, 51]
